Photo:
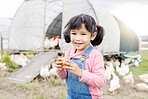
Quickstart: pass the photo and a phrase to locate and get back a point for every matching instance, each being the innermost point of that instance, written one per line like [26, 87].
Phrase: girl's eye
[83, 34]
[73, 33]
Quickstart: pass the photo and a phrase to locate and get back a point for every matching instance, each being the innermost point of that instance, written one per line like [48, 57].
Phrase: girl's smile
[78, 44]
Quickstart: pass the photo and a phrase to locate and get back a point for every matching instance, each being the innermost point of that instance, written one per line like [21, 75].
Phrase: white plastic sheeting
[4, 30]
[35, 18]
[27, 28]
[53, 9]
[111, 42]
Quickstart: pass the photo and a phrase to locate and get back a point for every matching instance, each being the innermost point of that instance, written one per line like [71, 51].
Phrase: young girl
[84, 72]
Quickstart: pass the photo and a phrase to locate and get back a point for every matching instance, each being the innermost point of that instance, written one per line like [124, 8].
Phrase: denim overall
[77, 89]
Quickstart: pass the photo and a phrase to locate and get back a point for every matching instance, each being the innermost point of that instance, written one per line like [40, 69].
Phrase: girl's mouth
[78, 44]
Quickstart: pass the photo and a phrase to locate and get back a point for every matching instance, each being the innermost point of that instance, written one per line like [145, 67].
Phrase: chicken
[123, 70]
[3, 66]
[141, 87]
[136, 63]
[56, 39]
[46, 43]
[127, 60]
[53, 64]
[53, 72]
[117, 63]
[44, 72]
[107, 73]
[20, 59]
[144, 78]
[112, 61]
[12, 57]
[114, 83]
[111, 66]
[109, 69]
[129, 78]
[132, 60]
[53, 42]
[60, 42]
[139, 58]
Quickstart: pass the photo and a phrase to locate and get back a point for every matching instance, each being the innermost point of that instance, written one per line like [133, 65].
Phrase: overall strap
[86, 53]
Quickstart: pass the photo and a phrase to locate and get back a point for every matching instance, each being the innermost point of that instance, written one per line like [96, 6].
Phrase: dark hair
[90, 25]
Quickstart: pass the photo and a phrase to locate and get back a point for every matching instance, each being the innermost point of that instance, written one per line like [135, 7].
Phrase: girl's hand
[58, 64]
[73, 68]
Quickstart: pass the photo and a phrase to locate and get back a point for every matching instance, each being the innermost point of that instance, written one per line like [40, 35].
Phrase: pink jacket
[94, 75]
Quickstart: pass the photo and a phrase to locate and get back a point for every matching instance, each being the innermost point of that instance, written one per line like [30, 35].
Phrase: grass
[30, 52]
[55, 82]
[11, 65]
[64, 94]
[27, 87]
[143, 66]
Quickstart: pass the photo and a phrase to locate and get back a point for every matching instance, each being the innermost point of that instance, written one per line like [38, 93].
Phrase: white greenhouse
[4, 31]
[37, 18]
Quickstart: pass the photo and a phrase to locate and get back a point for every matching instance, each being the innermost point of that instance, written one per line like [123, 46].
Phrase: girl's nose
[78, 37]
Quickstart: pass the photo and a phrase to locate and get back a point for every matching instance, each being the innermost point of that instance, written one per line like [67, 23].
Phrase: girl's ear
[93, 36]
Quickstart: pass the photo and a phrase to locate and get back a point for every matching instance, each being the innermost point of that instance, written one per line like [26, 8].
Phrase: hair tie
[97, 25]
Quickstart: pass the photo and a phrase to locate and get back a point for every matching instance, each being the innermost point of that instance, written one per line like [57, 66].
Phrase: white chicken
[44, 72]
[53, 72]
[53, 42]
[20, 59]
[141, 87]
[114, 83]
[127, 60]
[129, 78]
[107, 73]
[3, 66]
[123, 70]
[139, 58]
[136, 63]
[53, 64]
[110, 64]
[144, 78]
[46, 43]
[117, 63]
[132, 60]
[60, 42]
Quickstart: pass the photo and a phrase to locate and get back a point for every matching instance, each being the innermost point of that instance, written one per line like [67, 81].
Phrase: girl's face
[80, 38]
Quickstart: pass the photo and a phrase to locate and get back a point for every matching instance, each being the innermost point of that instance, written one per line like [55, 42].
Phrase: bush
[11, 65]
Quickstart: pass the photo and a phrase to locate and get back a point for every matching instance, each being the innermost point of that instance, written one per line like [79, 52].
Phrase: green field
[143, 66]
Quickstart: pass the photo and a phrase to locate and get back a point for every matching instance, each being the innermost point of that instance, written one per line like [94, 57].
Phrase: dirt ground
[56, 89]
[126, 91]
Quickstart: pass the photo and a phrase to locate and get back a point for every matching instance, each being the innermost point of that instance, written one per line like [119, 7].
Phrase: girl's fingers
[58, 63]
[65, 63]
[68, 68]
[58, 66]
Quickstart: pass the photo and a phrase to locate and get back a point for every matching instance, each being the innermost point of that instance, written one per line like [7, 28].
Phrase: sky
[9, 7]
[133, 13]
